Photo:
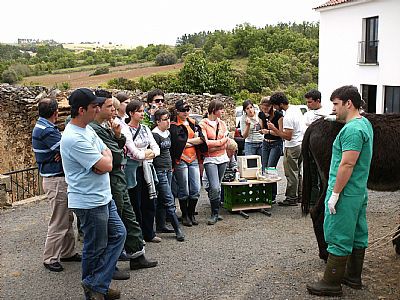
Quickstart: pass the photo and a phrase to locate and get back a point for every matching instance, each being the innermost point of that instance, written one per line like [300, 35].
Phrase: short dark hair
[153, 93]
[313, 94]
[159, 113]
[247, 103]
[132, 106]
[104, 94]
[47, 107]
[348, 92]
[279, 98]
[214, 106]
[122, 96]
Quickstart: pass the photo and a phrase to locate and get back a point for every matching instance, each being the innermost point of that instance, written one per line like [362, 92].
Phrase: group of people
[278, 130]
[122, 176]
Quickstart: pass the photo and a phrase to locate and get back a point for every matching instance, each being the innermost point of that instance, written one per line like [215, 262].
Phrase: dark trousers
[134, 238]
[144, 208]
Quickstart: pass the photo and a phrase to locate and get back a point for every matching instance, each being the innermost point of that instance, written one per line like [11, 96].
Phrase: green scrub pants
[119, 191]
[348, 228]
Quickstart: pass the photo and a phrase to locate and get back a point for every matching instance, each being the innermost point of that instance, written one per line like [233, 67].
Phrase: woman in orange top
[216, 159]
[186, 140]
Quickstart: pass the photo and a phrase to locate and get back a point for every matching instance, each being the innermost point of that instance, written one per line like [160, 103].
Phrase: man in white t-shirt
[313, 100]
[292, 133]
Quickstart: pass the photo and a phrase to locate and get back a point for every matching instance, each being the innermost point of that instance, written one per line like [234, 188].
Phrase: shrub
[164, 59]
[9, 76]
[122, 83]
[63, 86]
[99, 71]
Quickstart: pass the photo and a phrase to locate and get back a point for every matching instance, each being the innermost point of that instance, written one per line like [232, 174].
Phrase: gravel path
[258, 258]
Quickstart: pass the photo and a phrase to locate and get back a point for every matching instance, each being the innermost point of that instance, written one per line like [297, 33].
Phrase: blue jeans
[187, 176]
[272, 151]
[104, 238]
[165, 198]
[253, 148]
[214, 174]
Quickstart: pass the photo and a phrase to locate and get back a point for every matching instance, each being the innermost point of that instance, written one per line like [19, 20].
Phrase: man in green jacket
[110, 132]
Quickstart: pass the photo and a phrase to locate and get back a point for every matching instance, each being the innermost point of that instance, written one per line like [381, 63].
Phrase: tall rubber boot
[183, 204]
[191, 210]
[330, 284]
[180, 236]
[161, 226]
[352, 275]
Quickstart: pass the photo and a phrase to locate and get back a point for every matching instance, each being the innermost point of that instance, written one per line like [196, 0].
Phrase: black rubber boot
[191, 211]
[352, 275]
[142, 262]
[180, 236]
[161, 226]
[330, 284]
[183, 204]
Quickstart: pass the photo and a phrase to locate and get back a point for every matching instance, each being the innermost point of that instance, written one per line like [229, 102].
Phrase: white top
[294, 120]
[144, 140]
[255, 125]
[312, 115]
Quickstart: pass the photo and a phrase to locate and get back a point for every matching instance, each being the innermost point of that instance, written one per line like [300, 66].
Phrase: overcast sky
[141, 22]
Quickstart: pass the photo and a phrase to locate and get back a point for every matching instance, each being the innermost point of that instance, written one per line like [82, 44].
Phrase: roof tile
[333, 3]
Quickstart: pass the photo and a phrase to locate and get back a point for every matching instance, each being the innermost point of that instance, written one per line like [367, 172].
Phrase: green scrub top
[356, 135]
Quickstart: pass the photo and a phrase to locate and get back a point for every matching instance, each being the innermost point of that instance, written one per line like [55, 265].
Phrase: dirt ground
[82, 79]
[257, 258]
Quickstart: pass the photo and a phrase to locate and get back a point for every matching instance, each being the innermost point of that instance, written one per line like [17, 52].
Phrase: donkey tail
[306, 153]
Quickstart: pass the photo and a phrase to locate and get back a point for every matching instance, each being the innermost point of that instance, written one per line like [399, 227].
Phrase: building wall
[340, 33]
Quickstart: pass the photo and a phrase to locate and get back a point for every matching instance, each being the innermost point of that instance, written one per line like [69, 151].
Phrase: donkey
[384, 172]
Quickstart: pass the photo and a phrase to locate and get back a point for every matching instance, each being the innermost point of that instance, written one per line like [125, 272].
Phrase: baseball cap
[182, 105]
[84, 97]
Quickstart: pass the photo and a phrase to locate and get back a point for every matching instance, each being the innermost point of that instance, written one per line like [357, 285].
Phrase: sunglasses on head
[159, 100]
[184, 109]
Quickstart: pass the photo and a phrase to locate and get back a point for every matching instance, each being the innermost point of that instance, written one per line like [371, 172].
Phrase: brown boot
[112, 294]
[90, 294]
[330, 285]
[352, 275]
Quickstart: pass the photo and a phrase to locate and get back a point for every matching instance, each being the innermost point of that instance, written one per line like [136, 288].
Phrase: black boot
[180, 236]
[142, 262]
[330, 284]
[352, 275]
[192, 210]
[161, 226]
[183, 204]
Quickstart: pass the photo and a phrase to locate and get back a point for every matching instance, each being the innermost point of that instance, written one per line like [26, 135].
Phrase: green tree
[9, 76]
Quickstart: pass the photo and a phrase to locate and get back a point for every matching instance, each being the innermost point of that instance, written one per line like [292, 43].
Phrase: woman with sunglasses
[163, 165]
[186, 142]
[142, 149]
[216, 159]
[250, 126]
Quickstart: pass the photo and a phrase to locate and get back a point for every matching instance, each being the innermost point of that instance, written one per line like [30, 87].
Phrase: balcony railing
[368, 52]
[25, 184]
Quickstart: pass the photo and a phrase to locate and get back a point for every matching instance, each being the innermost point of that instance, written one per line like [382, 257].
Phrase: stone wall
[18, 114]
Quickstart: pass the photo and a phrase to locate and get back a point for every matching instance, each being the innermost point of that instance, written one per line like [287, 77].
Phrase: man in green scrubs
[345, 223]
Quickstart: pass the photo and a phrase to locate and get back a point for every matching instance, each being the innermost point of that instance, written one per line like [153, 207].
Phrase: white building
[359, 44]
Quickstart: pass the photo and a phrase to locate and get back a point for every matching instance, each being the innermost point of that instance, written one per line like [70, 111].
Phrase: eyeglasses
[159, 100]
[185, 109]
[165, 119]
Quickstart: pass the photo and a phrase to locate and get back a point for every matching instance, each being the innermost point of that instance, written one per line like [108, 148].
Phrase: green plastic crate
[242, 197]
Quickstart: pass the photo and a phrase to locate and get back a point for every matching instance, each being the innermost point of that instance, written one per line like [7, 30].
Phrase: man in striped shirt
[60, 241]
